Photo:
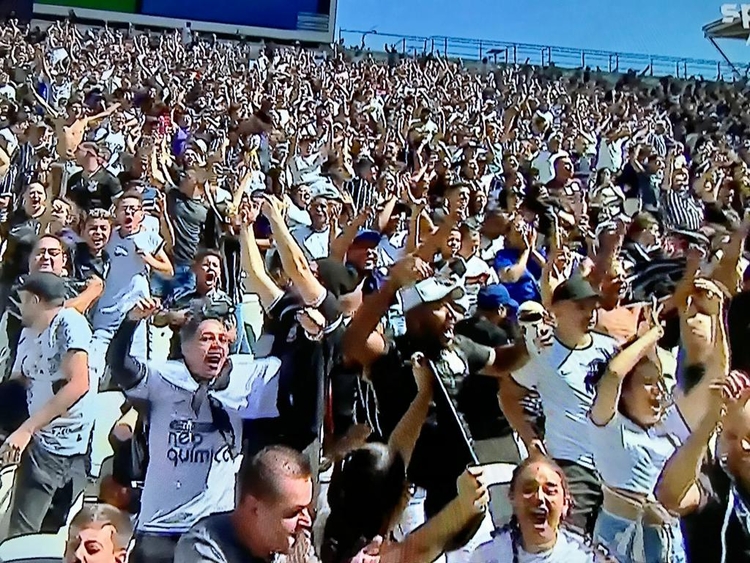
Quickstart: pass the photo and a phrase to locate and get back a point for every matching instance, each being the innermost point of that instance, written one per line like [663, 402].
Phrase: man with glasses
[133, 252]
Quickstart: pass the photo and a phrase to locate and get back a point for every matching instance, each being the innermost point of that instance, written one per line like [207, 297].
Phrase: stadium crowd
[505, 310]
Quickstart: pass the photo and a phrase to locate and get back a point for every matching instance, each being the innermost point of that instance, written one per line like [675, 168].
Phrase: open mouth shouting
[214, 359]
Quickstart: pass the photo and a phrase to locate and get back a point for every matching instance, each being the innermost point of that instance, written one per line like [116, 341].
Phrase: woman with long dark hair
[370, 490]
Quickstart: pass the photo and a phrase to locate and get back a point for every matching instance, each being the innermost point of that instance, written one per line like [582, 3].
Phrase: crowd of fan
[469, 278]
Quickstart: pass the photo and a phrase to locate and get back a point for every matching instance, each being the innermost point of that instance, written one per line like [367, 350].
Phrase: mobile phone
[496, 473]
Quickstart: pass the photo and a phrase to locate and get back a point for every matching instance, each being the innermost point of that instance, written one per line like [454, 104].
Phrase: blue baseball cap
[368, 237]
[493, 296]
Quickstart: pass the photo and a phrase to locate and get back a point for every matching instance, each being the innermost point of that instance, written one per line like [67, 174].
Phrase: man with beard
[431, 315]
[176, 310]
[195, 424]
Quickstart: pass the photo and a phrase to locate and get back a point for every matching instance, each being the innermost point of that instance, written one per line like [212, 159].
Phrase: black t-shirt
[443, 450]
[21, 232]
[703, 529]
[95, 192]
[477, 401]
[188, 217]
[86, 265]
[305, 367]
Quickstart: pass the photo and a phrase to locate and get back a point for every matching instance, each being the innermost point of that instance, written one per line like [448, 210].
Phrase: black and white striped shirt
[682, 210]
[20, 171]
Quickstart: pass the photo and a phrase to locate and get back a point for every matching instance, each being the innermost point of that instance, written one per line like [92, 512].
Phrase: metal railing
[503, 52]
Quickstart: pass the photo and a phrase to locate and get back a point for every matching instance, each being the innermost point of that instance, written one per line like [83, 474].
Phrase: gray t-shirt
[40, 358]
[127, 281]
[213, 540]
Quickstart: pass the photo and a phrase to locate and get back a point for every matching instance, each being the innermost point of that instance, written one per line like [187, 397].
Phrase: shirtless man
[71, 127]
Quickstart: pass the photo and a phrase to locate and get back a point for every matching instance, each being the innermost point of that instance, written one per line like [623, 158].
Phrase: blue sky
[660, 27]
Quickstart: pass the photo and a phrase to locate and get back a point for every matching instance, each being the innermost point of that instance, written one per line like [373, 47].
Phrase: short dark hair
[203, 254]
[131, 194]
[259, 477]
[105, 515]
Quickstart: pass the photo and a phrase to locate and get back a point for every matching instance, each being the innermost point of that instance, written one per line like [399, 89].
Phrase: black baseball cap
[49, 287]
[575, 288]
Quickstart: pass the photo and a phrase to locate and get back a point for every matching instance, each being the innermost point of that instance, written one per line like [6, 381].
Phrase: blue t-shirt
[527, 287]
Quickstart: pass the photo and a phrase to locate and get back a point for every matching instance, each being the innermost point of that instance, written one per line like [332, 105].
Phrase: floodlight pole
[723, 54]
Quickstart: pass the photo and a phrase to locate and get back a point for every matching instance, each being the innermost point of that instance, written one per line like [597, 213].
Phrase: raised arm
[357, 345]
[692, 400]
[404, 437]
[129, 372]
[428, 542]
[610, 386]
[258, 280]
[293, 259]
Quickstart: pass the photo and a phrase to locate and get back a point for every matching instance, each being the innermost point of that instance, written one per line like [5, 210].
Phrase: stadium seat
[39, 546]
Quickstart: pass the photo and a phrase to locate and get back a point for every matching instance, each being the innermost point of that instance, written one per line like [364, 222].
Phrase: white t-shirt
[559, 374]
[610, 154]
[568, 549]
[392, 249]
[193, 465]
[314, 244]
[40, 357]
[543, 163]
[127, 281]
[8, 91]
[295, 216]
[478, 275]
[306, 169]
[630, 457]
[11, 141]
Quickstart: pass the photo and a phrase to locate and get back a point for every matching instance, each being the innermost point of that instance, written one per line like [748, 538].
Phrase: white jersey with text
[193, 456]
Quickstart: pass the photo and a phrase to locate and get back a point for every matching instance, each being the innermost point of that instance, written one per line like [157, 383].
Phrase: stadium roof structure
[721, 29]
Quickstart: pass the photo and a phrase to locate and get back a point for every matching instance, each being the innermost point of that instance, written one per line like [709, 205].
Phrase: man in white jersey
[194, 430]
[559, 374]
[51, 446]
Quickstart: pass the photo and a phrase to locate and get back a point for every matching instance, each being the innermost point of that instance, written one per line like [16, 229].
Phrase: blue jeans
[242, 344]
[181, 283]
[660, 544]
